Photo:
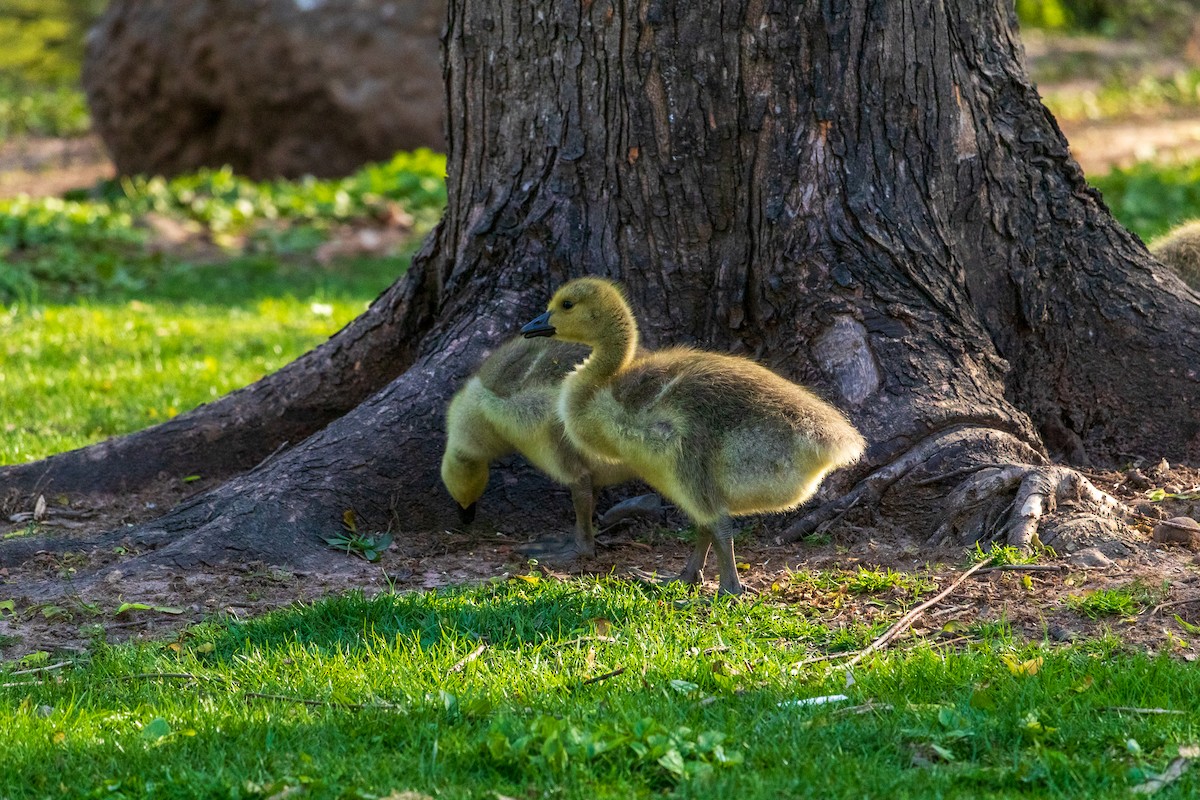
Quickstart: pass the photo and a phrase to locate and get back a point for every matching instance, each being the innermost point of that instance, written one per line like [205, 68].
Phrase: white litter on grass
[814, 701]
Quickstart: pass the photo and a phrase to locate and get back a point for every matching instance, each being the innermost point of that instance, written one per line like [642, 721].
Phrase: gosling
[720, 436]
[509, 405]
[1179, 249]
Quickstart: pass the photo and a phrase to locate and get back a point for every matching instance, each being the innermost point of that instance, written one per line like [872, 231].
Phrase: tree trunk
[867, 197]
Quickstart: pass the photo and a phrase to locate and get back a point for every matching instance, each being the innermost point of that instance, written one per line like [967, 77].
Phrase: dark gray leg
[693, 571]
[583, 498]
[722, 539]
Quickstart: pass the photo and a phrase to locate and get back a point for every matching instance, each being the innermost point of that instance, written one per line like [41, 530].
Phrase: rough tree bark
[868, 197]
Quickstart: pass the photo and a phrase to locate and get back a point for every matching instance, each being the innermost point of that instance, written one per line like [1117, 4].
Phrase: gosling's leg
[693, 571]
[722, 538]
[583, 498]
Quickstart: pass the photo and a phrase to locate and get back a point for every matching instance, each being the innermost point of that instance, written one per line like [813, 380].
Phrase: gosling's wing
[522, 364]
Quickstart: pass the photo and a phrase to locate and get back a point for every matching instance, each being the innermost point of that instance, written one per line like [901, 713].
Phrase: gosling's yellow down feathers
[718, 435]
[510, 405]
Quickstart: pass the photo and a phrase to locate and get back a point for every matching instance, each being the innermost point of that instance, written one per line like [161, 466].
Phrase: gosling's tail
[844, 445]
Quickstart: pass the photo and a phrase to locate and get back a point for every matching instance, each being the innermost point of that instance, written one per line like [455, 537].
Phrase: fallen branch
[795, 668]
[1171, 774]
[1135, 710]
[311, 702]
[300, 700]
[865, 708]
[183, 676]
[604, 677]
[908, 619]
[943, 612]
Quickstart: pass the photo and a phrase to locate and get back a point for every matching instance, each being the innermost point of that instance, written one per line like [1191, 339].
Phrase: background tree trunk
[272, 88]
[867, 197]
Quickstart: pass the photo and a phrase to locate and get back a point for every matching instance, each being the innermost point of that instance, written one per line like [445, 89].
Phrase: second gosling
[1179, 249]
[720, 436]
[509, 405]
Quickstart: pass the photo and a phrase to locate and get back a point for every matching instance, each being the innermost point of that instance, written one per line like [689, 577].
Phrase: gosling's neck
[612, 351]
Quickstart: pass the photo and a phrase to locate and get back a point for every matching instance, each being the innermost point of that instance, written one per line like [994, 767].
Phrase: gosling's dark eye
[567, 305]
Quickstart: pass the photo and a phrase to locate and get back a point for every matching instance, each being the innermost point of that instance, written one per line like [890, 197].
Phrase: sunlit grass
[1146, 96]
[586, 688]
[1125, 601]
[104, 331]
[72, 375]
[1150, 198]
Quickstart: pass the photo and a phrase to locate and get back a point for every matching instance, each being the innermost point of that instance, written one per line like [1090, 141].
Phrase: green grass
[74, 374]
[859, 581]
[101, 242]
[1007, 555]
[1147, 96]
[1122, 601]
[706, 705]
[1149, 199]
[27, 110]
[104, 331]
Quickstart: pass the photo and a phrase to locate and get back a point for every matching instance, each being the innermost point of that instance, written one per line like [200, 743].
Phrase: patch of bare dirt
[1101, 146]
[47, 167]
[59, 606]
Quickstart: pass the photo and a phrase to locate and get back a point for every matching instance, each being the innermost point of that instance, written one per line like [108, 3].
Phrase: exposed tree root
[976, 508]
[977, 485]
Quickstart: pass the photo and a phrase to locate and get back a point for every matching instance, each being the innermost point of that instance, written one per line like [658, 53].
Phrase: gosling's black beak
[539, 327]
[467, 515]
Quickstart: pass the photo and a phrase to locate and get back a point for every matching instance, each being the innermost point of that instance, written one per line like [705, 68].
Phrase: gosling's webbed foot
[556, 550]
[735, 589]
[692, 578]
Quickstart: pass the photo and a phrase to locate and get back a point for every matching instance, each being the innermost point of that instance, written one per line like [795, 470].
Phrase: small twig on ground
[816, 660]
[1157, 608]
[830, 656]
[946, 643]
[134, 623]
[286, 699]
[908, 619]
[467, 659]
[182, 676]
[1026, 568]
[593, 638]
[1135, 710]
[48, 668]
[1169, 775]
[865, 708]
[603, 677]
[944, 611]
[311, 702]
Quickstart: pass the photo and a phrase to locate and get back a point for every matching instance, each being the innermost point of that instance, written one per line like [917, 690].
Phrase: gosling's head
[583, 310]
[465, 478]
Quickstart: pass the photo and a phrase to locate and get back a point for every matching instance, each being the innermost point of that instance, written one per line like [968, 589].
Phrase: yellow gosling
[720, 436]
[1179, 249]
[509, 405]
